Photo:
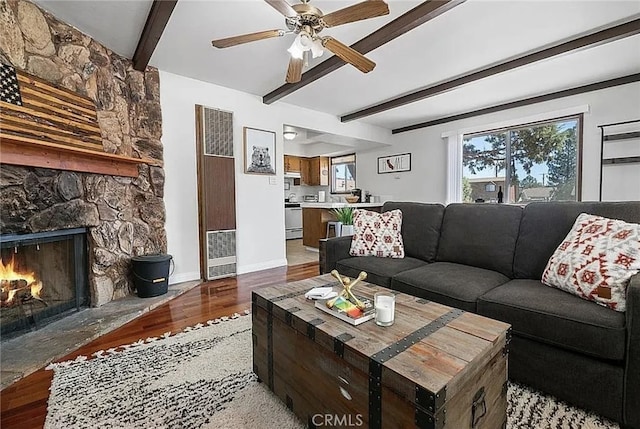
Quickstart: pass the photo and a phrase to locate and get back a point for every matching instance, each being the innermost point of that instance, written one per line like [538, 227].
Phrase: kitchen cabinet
[314, 225]
[313, 171]
[291, 164]
[318, 174]
[304, 171]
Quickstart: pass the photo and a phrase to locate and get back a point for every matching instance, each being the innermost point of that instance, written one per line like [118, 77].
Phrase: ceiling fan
[306, 22]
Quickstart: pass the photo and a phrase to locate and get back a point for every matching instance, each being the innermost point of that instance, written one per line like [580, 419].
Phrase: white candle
[385, 306]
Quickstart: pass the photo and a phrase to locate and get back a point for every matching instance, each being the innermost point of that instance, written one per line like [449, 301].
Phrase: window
[343, 174]
[540, 162]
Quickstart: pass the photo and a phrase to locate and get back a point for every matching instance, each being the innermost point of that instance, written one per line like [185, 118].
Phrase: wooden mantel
[18, 150]
[43, 125]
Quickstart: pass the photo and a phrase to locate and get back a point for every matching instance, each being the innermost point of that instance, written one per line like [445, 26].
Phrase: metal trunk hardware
[478, 408]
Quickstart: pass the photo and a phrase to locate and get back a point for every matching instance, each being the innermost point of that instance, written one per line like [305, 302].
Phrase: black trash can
[151, 274]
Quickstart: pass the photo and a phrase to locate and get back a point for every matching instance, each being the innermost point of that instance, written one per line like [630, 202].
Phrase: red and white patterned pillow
[596, 260]
[377, 234]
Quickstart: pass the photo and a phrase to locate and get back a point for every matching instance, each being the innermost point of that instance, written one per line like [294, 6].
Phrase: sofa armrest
[331, 251]
[632, 369]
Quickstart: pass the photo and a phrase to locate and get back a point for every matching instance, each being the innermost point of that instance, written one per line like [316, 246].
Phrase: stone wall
[125, 216]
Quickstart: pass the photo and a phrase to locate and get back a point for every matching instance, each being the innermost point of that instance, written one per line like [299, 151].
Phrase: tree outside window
[540, 163]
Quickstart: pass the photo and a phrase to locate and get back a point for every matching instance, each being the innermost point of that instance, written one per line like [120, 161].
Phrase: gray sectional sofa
[488, 259]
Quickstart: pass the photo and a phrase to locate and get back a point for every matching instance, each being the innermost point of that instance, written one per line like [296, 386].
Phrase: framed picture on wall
[259, 151]
[394, 163]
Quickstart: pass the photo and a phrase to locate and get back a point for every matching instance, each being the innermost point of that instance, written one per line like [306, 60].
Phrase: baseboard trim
[262, 266]
[184, 277]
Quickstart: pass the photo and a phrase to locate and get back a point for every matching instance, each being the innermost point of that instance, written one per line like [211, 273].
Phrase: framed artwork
[259, 151]
[394, 163]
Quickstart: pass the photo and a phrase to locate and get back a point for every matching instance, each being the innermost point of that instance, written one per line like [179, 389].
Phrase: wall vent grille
[218, 132]
[221, 254]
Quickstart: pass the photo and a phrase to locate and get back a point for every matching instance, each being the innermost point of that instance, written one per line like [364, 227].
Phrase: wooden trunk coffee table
[435, 367]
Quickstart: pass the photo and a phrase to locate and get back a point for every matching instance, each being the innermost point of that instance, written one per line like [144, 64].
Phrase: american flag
[33, 111]
[9, 89]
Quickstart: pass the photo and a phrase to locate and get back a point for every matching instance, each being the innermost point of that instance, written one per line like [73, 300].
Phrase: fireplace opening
[43, 277]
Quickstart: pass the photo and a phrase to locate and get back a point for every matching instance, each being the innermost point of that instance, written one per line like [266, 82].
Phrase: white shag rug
[202, 378]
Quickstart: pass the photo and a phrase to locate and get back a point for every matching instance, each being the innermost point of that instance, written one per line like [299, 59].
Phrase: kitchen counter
[338, 205]
[316, 215]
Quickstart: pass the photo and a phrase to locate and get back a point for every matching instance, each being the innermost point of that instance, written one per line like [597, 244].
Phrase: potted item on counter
[344, 215]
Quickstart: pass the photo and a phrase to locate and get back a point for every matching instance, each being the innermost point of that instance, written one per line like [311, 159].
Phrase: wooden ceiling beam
[156, 22]
[624, 80]
[417, 16]
[601, 37]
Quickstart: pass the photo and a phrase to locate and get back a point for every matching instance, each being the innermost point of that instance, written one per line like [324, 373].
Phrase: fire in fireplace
[18, 287]
[43, 277]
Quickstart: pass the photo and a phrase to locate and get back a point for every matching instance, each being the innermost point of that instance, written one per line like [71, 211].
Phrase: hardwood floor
[24, 404]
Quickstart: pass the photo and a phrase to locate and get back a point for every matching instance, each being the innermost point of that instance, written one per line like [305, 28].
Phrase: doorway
[298, 254]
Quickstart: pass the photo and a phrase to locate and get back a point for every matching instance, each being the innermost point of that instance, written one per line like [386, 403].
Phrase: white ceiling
[116, 24]
[470, 36]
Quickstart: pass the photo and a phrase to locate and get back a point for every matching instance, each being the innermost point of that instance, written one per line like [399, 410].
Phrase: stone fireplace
[43, 276]
[123, 216]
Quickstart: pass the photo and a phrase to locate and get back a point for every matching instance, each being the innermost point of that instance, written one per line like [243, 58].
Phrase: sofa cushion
[544, 226]
[552, 316]
[379, 270]
[596, 260]
[377, 234]
[449, 284]
[420, 228]
[480, 235]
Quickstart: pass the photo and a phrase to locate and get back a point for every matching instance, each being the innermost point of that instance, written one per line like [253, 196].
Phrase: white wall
[259, 204]
[427, 179]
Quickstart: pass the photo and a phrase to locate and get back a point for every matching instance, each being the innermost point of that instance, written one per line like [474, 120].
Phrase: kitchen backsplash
[302, 190]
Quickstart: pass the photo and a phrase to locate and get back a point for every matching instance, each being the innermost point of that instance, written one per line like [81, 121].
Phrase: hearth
[43, 276]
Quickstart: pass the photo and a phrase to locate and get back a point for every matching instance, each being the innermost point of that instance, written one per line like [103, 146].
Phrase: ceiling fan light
[316, 49]
[295, 52]
[289, 135]
[305, 40]
[297, 48]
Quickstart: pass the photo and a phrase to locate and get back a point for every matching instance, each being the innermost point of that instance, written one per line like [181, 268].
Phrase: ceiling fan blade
[283, 7]
[246, 38]
[294, 73]
[357, 12]
[348, 54]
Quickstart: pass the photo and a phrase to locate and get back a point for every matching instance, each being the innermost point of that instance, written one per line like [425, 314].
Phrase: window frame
[579, 117]
[332, 173]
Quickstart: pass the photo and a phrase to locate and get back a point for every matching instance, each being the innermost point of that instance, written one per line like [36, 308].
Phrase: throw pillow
[596, 260]
[377, 234]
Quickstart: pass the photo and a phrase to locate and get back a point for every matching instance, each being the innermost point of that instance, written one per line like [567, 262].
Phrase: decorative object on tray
[347, 311]
[259, 151]
[347, 306]
[394, 163]
[321, 293]
[347, 285]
